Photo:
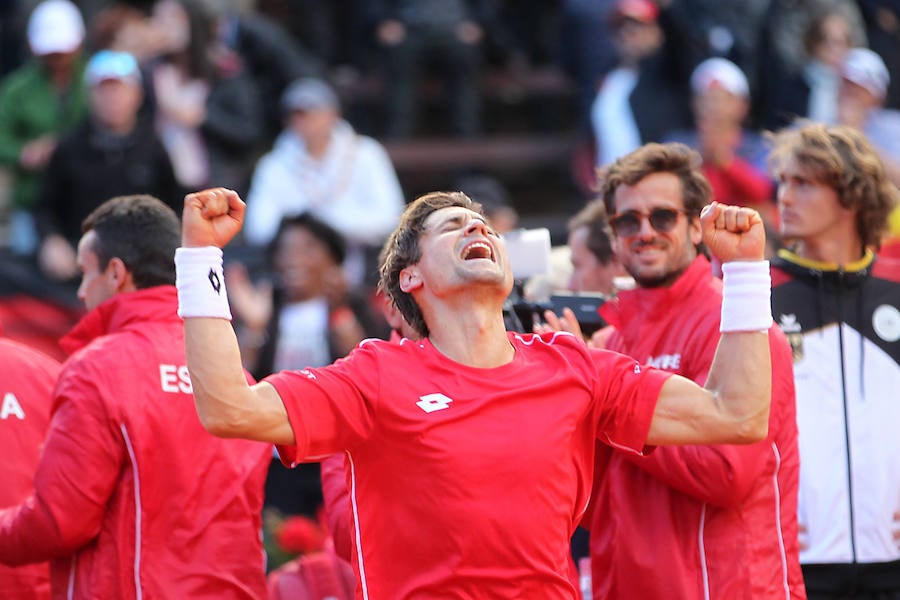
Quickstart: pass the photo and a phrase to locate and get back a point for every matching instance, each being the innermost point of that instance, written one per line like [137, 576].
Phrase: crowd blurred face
[172, 26]
[810, 210]
[653, 239]
[314, 125]
[855, 103]
[588, 273]
[98, 283]
[59, 63]
[302, 264]
[115, 103]
[635, 40]
[834, 41]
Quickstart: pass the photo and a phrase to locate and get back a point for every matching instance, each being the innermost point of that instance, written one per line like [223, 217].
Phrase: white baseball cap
[721, 72]
[866, 69]
[55, 26]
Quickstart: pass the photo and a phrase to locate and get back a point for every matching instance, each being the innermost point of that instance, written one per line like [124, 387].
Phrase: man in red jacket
[132, 497]
[26, 386]
[688, 522]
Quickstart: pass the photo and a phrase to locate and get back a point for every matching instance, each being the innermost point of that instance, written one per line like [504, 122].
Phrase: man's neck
[475, 338]
[831, 250]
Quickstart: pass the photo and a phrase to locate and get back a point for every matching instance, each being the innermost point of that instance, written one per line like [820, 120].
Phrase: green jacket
[29, 109]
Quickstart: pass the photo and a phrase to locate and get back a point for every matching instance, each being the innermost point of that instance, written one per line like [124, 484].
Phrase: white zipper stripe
[137, 514]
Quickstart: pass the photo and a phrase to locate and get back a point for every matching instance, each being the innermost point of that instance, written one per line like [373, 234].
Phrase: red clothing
[650, 513]
[26, 387]
[465, 482]
[130, 490]
[336, 500]
[738, 183]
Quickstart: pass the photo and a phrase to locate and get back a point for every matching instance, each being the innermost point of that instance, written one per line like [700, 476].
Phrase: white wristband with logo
[746, 296]
[201, 283]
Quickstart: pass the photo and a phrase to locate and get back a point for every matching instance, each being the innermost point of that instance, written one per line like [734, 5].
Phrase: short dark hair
[402, 249]
[842, 158]
[651, 158]
[142, 232]
[333, 241]
[599, 239]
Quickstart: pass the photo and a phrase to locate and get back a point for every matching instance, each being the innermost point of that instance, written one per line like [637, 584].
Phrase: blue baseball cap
[109, 64]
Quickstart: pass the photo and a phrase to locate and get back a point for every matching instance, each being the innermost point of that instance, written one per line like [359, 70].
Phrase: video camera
[529, 255]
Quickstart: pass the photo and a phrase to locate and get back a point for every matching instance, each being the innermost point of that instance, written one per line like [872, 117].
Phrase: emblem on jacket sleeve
[886, 322]
[794, 334]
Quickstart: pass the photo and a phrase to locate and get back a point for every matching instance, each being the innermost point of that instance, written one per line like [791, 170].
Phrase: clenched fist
[211, 217]
[733, 232]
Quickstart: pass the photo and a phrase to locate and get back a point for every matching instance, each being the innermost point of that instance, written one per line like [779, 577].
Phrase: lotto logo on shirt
[175, 378]
[432, 402]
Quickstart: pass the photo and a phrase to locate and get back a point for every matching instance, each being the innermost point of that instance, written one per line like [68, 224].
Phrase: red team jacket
[696, 522]
[133, 498]
[26, 387]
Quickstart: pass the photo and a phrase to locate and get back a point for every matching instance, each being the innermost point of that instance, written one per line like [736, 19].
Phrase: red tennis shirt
[467, 482]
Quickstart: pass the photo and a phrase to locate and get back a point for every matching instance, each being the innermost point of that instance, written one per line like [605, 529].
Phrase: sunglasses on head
[629, 222]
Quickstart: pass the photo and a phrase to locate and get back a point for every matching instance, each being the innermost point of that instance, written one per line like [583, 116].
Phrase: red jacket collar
[651, 303]
[158, 303]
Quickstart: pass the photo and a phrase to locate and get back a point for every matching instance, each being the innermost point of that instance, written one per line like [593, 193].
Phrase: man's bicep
[685, 414]
[269, 418]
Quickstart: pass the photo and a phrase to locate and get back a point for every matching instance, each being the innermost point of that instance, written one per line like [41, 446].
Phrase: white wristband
[746, 296]
[201, 283]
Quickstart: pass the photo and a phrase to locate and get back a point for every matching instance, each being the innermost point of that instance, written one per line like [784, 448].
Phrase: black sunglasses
[629, 223]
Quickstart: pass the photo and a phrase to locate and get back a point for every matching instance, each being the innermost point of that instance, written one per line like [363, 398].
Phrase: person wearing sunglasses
[688, 522]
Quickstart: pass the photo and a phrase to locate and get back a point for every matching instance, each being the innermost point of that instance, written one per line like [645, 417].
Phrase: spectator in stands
[26, 391]
[414, 33]
[272, 57]
[646, 95]
[132, 498]
[208, 110]
[321, 166]
[39, 101]
[112, 153]
[733, 157]
[860, 104]
[802, 70]
[586, 48]
[594, 265]
[882, 20]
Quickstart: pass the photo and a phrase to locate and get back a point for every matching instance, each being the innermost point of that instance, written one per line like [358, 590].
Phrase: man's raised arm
[733, 407]
[226, 404]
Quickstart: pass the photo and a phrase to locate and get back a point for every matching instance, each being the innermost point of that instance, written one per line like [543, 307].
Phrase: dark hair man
[478, 442]
[132, 498]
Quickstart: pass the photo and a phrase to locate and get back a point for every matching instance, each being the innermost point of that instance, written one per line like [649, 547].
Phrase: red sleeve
[627, 394]
[330, 409]
[337, 504]
[722, 475]
[77, 473]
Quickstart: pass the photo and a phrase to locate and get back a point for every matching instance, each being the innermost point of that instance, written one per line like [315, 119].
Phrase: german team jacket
[695, 522]
[843, 324]
[133, 498]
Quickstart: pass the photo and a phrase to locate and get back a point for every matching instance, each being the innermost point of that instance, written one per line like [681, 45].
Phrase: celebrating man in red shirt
[470, 450]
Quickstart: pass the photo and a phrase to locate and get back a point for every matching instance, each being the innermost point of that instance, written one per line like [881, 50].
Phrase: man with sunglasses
[688, 522]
